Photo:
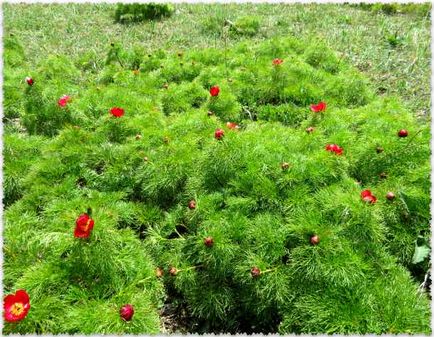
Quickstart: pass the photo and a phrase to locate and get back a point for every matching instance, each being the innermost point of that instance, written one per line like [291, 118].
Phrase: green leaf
[420, 253]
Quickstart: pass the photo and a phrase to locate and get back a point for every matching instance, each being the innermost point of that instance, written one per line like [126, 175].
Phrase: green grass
[394, 51]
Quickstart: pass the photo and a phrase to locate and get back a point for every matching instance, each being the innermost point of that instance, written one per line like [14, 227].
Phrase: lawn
[230, 168]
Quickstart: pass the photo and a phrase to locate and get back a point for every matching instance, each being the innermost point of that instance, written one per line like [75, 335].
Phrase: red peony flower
[365, 193]
[84, 225]
[127, 312]
[63, 100]
[330, 147]
[334, 148]
[214, 91]
[321, 106]
[219, 133]
[371, 199]
[16, 306]
[29, 81]
[368, 197]
[277, 62]
[117, 112]
[232, 126]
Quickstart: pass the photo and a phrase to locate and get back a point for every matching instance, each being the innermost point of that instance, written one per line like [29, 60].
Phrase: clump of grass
[422, 9]
[134, 13]
[246, 26]
[394, 40]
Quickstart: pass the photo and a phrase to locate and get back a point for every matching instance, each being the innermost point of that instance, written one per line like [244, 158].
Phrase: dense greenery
[393, 51]
[396, 8]
[243, 252]
[135, 12]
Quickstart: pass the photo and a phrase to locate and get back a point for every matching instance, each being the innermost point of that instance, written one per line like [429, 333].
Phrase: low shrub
[86, 281]
[213, 24]
[396, 8]
[14, 76]
[245, 26]
[265, 187]
[133, 13]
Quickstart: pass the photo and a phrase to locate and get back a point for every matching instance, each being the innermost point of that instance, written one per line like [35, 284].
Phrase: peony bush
[263, 188]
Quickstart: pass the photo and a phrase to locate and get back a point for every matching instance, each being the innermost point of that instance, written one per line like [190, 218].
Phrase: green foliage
[219, 24]
[261, 193]
[19, 153]
[14, 51]
[133, 13]
[340, 311]
[396, 8]
[288, 114]
[14, 76]
[225, 106]
[182, 97]
[319, 56]
[42, 116]
[83, 279]
[89, 61]
[136, 58]
[212, 25]
[59, 70]
[421, 252]
[394, 40]
[114, 54]
[245, 26]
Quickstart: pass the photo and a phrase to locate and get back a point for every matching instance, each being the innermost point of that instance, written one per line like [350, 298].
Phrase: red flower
[365, 193]
[368, 197]
[277, 62]
[29, 81]
[63, 100]
[334, 148]
[371, 199]
[232, 126]
[127, 312]
[117, 112]
[321, 106]
[16, 306]
[214, 91]
[219, 133]
[84, 225]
